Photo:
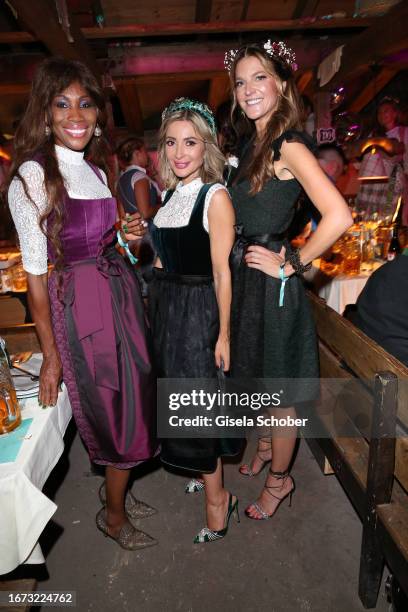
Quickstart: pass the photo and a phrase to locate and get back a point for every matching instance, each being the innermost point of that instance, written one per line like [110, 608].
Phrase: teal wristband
[125, 245]
[283, 279]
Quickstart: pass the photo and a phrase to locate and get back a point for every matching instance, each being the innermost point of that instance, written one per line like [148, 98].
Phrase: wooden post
[40, 17]
[380, 479]
[324, 131]
[130, 104]
[218, 91]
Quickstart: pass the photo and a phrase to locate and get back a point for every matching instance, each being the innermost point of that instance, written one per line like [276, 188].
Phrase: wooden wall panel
[127, 12]
[271, 9]
[13, 100]
[328, 7]
[154, 97]
[224, 10]
[219, 91]
[130, 105]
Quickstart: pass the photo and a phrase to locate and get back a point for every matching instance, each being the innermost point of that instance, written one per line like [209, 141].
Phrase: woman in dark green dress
[272, 331]
[190, 294]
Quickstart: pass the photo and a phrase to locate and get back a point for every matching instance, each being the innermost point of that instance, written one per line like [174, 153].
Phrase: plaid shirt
[381, 197]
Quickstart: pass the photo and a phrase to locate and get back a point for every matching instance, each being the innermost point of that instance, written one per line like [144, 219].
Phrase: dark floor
[305, 559]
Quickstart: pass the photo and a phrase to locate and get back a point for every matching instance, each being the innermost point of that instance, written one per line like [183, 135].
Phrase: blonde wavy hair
[213, 164]
[287, 114]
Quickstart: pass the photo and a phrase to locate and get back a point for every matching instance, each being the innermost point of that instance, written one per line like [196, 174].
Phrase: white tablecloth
[342, 290]
[338, 291]
[24, 509]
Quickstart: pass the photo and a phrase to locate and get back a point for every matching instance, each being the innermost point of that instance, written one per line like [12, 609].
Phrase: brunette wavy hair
[286, 115]
[31, 141]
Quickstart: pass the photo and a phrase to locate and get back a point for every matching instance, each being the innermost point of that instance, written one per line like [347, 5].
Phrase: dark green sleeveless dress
[269, 341]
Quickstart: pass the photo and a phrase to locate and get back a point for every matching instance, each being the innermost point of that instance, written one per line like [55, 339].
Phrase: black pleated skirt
[183, 314]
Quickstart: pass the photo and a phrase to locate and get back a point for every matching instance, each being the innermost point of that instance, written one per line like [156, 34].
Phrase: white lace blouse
[80, 181]
[178, 209]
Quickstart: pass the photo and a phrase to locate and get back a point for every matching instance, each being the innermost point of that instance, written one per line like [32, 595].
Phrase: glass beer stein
[10, 415]
[352, 257]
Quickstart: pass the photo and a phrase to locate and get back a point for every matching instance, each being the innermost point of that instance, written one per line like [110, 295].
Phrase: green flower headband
[180, 104]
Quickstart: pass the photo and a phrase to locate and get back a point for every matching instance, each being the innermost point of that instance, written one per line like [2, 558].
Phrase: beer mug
[10, 415]
[352, 257]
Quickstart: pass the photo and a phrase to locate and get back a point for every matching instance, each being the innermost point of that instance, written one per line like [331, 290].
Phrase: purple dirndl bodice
[102, 337]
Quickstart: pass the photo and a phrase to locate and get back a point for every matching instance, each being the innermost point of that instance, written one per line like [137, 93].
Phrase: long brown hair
[31, 141]
[287, 114]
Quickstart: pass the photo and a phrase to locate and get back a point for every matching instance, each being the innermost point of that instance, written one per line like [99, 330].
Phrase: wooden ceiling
[147, 52]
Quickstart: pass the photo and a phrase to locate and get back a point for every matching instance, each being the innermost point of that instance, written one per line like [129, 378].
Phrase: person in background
[381, 197]
[307, 216]
[89, 314]
[137, 191]
[331, 159]
[388, 116]
[382, 307]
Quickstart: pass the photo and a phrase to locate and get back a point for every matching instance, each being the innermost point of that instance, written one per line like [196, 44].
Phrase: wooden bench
[373, 468]
[20, 338]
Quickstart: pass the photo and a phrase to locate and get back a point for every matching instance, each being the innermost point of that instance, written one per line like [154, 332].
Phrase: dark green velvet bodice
[185, 250]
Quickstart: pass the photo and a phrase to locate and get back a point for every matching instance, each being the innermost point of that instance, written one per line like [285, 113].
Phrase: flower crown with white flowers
[275, 50]
[192, 105]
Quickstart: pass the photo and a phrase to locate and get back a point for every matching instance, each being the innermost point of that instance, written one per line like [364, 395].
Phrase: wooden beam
[245, 7]
[375, 85]
[217, 27]
[203, 11]
[304, 80]
[218, 77]
[299, 9]
[42, 21]
[176, 29]
[130, 104]
[14, 89]
[385, 36]
[178, 77]
[322, 110]
[219, 91]
[194, 57]
[16, 38]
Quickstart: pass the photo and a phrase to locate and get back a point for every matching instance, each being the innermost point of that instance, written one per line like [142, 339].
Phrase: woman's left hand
[222, 353]
[133, 226]
[265, 260]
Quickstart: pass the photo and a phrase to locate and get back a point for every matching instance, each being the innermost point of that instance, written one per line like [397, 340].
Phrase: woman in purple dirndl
[90, 317]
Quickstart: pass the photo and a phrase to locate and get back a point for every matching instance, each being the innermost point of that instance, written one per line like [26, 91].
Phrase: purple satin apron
[102, 337]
